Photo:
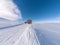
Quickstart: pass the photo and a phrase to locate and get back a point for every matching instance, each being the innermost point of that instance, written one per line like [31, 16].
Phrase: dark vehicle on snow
[28, 21]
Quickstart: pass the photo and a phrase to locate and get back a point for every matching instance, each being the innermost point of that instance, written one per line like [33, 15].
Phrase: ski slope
[29, 34]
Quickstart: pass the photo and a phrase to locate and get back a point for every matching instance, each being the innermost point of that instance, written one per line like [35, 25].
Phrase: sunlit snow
[30, 34]
[19, 34]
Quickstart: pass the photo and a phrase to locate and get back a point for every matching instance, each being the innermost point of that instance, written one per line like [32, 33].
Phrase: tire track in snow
[5, 33]
[32, 30]
[28, 34]
[17, 42]
[18, 32]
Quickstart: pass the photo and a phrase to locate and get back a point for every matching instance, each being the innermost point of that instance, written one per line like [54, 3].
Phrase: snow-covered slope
[7, 23]
[12, 33]
[48, 33]
[12, 36]
[30, 34]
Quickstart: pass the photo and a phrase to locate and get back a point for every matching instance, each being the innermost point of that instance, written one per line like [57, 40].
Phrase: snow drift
[9, 10]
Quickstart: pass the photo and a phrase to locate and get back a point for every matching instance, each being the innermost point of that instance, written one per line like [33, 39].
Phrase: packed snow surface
[30, 34]
[48, 33]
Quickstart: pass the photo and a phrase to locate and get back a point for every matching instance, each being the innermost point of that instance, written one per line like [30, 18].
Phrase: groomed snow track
[30, 34]
[21, 34]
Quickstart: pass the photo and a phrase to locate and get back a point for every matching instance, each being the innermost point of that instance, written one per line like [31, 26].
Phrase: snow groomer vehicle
[28, 21]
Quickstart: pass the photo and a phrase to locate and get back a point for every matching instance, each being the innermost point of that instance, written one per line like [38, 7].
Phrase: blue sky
[39, 10]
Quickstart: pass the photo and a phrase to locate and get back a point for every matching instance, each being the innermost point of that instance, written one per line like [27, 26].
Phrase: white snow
[17, 34]
[48, 33]
[29, 34]
[7, 23]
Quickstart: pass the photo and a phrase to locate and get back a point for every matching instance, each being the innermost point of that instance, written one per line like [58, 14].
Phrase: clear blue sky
[39, 10]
